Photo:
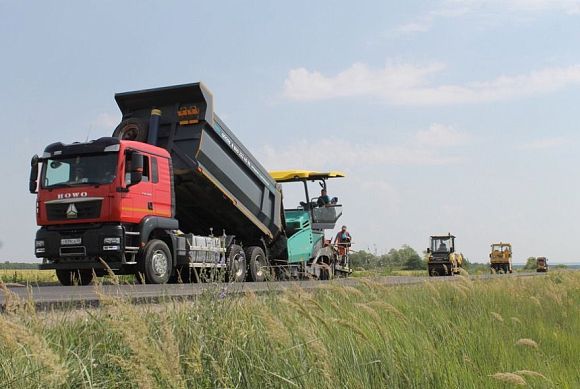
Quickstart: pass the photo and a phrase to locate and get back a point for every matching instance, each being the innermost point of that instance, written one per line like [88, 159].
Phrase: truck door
[161, 186]
[140, 202]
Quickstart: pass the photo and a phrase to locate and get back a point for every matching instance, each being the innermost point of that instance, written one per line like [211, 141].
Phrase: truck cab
[95, 201]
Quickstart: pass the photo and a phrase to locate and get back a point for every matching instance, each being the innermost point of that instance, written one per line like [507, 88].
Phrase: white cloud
[408, 85]
[571, 7]
[545, 143]
[422, 149]
[425, 22]
[486, 9]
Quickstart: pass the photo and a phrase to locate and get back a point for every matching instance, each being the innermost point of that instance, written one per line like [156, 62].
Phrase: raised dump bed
[218, 184]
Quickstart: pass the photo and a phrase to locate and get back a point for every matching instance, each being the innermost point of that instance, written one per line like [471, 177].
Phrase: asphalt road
[55, 297]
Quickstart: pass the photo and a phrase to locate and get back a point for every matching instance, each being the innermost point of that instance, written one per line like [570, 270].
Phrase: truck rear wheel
[132, 129]
[155, 265]
[258, 264]
[75, 277]
[236, 264]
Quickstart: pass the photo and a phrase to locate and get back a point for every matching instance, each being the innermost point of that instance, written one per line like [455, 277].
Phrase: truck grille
[74, 211]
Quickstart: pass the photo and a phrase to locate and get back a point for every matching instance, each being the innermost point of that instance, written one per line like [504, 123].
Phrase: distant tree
[405, 257]
[531, 264]
[414, 262]
[363, 259]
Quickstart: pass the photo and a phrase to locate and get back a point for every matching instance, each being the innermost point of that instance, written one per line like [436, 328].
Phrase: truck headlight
[39, 243]
[39, 250]
[115, 240]
[111, 248]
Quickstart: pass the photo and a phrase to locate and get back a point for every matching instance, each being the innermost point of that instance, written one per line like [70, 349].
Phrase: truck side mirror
[33, 183]
[428, 251]
[136, 168]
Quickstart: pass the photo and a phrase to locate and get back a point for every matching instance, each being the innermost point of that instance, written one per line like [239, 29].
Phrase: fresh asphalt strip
[65, 297]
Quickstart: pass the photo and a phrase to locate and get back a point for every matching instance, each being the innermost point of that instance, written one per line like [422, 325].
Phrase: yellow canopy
[303, 175]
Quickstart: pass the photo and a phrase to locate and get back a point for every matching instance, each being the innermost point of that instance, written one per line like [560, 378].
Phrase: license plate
[70, 241]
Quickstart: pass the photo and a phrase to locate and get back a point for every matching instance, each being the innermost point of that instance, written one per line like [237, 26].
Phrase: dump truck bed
[218, 183]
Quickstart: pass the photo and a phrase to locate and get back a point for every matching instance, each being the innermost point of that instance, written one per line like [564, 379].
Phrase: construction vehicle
[500, 258]
[171, 193]
[442, 258]
[541, 264]
[305, 226]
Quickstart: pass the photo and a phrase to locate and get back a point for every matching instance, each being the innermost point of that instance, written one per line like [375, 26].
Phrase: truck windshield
[500, 248]
[441, 244]
[90, 169]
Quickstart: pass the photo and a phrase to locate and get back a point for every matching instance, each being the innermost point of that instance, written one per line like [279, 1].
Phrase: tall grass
[466, 334]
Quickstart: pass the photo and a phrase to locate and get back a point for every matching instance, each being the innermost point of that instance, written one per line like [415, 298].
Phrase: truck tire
[434, 271]
[75, 277]
[258, 264]
[132, 129]
[236, 264]
[155, 265]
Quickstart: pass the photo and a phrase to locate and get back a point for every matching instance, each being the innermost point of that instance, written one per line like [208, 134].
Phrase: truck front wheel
[155, 266]
[236, 264]
[75, 277]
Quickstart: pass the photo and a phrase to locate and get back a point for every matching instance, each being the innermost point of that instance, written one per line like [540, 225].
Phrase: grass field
[466, 334]
[27, 276]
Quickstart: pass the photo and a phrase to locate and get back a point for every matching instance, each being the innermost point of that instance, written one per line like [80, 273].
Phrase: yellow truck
[500, 258]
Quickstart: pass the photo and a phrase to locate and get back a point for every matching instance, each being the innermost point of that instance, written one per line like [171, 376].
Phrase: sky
[453, 116]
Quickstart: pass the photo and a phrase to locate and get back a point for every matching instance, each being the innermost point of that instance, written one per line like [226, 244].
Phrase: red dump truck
[173, 190]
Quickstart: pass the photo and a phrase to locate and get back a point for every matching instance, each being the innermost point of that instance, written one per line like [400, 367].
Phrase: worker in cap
[343, 241]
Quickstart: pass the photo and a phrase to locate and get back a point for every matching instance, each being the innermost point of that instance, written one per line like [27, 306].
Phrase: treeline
[532, 264]
[405, 258]
[17, 265]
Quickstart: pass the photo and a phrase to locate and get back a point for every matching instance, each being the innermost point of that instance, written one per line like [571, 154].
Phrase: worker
[343, 237]
[442, 246]
[343, 241]
[323, 200]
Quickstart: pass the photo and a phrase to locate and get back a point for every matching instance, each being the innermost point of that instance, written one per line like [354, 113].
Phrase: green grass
[465, 334]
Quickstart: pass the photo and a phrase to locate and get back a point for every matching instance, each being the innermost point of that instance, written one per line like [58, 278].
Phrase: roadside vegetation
[28, 276]
[468, 334]
[404, 261]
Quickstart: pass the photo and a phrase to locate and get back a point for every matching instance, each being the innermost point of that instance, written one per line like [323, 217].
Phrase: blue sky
[457, 116]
